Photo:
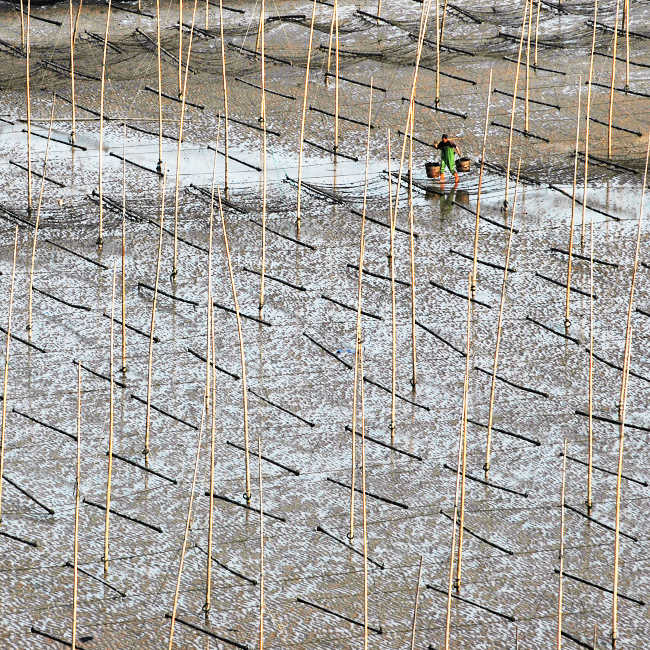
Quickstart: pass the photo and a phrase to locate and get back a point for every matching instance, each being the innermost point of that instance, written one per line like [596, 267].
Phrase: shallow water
[314, 390]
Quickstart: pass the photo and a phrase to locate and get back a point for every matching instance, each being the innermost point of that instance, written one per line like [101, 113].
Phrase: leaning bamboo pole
[495, 362]
[587, 121]
[626, 20]
[264, 162]
[438, 35]
[539, 7]
[242, 354]
[364, 513]
[159, 167]
[611, 87]
[627, 352]
[560, 589]
[5, 383]
[77, 494]
[358, 326]
[111, 411]
[480, 185]
[28, 103]
[72, 85]
[180, 46]
[514, 105]
[188, 523]
[30, 291]
[209, 394]
[147, 426]
[22, 25]
[567, 297]
[412, 257]
[336, 78]
[100, 239]
[415, 605]
[526, 98]
[183, 97]
[262, 604]
[590, 372]
[454, 522]
[224, 87]
[304, 114]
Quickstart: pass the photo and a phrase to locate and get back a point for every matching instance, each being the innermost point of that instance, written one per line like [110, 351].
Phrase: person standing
[448, 150]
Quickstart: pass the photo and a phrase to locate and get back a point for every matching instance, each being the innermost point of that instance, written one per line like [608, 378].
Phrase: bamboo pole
[264, 169]
[415, 606]
[393, 298]
[224, 86]
[5, 382]
[329, 47]
[539, 6]
[336, 79]
[28, 102]
[627, 352]
[626, 19]
[188, 521]
[412, 258]
[480, 185]
[378, 9]
[242, 354]
[123, 274]
[358, 328]
[22, 25]
[611, 88]
[209, 395]
[463, 434]
[261, 581]
[180, 46]
[442, 21]
[159, 167]
[72, 86]
[495, 362]
[454, 522]
[526, 105]
[77, 490]
[590, 377]
[514, 104]
[567, 302]
[183, 95]
[147, 426]
[304, 113]
[111, 402]
[560, 589]
[100, 239]
[587, 121]
[30, 292]
[438, 35]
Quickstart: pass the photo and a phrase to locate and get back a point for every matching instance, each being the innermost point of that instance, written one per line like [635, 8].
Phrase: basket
[463, 164]
[432, 169]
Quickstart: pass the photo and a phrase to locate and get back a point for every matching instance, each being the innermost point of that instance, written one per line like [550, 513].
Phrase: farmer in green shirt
[448, 150]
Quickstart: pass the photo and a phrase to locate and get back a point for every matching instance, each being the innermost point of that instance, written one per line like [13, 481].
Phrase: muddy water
[515, 578]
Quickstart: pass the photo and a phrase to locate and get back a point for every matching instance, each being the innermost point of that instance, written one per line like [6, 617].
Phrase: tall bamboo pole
[111, 403]
[626, 20]
[180, 140]
[188, 523]
[438, 35]
[539, 6]
[30, 292]
[567, 302]
[264, 170]
[224, 86]
[412, 258]
[480, 185]
[180, 46]
[560, 589]
[77, 491]
[72, 86]
[454, 523]
[160, 118]
[336, 79]
[590, 376]
[415, 605]
[627, 352]
[28, 102]
[242, 354]
[358, 332]
[304, 113]
[22, 25]
[152, 326]
[495, 362]
[262, 605]
[611, 88]
[100, 239]
[526, 106]
[5, 383]
[364, 515]
[514, 104]
[587, 121]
